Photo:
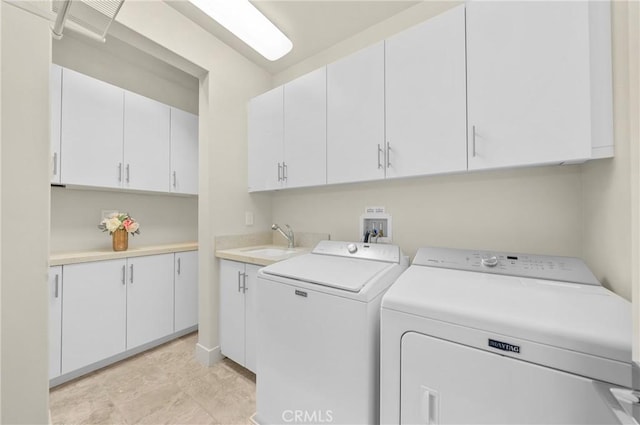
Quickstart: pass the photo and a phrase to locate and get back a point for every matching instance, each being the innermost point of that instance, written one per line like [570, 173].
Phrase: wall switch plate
[248, 218]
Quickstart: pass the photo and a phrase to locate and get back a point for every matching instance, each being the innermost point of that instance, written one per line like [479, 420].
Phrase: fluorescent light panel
[249, 25]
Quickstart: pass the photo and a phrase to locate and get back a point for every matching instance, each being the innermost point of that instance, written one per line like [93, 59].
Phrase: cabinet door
[186, 290]
[305, 130]
[426, 98]
[149, 298]
[528, 83]
[94, 314]
[55, 93]
[55, 320]
[184, 152]
[266, 127]
[146, 143]
[250, 352]
[91, 135]
[355, 117]
[232, 317]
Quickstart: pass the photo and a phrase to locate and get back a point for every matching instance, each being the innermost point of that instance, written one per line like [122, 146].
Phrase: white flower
[112, 224]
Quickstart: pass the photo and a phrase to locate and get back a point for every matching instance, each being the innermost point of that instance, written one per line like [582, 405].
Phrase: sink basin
[270, 252]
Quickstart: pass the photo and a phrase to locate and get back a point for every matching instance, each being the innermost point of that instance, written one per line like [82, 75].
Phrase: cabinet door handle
[387, 157]
[174, 179]
[379, 150]
[131, 273]
[56, 288]
[473, 141]
[239, 284]
[55, 163]
[120, 171]
[128, 175]
[124, 273]
[279, 172]
[244, 283]
[178, 265]
[284, 171]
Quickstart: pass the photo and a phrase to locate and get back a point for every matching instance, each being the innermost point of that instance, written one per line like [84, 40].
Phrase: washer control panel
[360, 250]
[566, 269]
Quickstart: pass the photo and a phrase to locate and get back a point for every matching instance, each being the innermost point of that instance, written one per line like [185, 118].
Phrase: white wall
[581, 211]
[24, 248]
[76, 213]
[227, 83]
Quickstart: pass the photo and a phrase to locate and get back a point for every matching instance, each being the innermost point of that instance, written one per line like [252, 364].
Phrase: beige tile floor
[165, 385]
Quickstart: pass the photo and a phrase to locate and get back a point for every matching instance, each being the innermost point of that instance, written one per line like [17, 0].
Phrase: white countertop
[245, 254]
[59, 259]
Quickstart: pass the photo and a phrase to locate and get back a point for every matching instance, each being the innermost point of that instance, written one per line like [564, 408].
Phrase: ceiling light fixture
[249, 25]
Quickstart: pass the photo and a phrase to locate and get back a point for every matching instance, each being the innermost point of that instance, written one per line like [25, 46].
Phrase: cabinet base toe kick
[118, 357]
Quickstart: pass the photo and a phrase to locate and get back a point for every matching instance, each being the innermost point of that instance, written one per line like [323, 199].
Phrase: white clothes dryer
[480, 337]
[318, 333]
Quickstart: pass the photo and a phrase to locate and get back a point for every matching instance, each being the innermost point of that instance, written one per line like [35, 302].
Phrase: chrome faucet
[288, 236]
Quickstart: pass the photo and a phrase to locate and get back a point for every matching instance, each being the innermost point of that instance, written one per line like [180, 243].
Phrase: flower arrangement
[120, 221]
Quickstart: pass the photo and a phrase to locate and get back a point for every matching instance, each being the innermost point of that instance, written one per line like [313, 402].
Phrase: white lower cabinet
[237, 312]
[55, 320]
[186, 290]
[149, 299]
[94, 312]
[101, 309]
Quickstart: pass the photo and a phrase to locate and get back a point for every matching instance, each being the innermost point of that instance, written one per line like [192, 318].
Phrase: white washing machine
[318, 333]
[480, 337]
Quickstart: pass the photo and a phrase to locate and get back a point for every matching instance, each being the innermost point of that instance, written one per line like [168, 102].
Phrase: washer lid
[582, 318]
[347, 274]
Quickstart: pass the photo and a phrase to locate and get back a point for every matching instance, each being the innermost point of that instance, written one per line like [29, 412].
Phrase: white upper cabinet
[355, 117]
[305, 130]
[146, 143]
[91, 136]
[426, 98]
[266, 138]
[55, 92]
[539, 82]
[184, 152]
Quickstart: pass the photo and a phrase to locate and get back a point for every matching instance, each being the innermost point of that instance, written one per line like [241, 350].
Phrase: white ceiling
[312, 25]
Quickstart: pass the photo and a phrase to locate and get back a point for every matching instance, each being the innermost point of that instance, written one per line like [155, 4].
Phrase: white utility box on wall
[375, 226]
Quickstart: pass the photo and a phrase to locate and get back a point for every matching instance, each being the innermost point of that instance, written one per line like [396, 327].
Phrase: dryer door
[443, 382]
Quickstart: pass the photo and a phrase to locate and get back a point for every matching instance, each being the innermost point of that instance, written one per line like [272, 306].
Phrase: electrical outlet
[248, 218]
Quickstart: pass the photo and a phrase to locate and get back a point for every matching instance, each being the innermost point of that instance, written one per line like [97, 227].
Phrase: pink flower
[127, 224]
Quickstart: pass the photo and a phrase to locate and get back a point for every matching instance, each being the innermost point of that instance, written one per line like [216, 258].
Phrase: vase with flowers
[120, 225]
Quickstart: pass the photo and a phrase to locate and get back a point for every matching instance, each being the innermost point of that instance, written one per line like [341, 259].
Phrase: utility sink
[270, 252]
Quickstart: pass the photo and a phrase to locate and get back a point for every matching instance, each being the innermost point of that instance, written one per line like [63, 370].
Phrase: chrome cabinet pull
[473, 139]
[174, 179]
[239, 285]
[379, 150]
[55, 163]
[279, 172]
[128, 173]
[284, 171]
[244, 283]
[120, 172]
[131, 273]
[387, 155]
[178, 265]
[124, 273]
[56, 289]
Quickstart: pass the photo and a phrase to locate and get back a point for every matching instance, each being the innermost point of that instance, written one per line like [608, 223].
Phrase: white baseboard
[208, 356]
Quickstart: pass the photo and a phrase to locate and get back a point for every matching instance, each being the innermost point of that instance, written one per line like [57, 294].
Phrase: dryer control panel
[566, 269]
[364, 251]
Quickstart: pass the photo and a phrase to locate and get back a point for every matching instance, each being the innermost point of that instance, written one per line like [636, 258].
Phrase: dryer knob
[352, 248]
[490, 261]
